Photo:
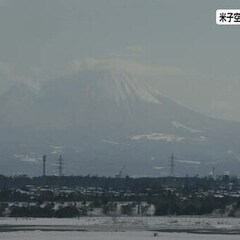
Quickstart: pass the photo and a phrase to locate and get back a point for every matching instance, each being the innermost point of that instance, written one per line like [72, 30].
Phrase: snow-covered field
[144, 222]
[119, 228]
[38, 235]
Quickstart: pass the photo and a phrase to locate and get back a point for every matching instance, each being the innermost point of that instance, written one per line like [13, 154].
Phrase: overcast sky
[175, 45]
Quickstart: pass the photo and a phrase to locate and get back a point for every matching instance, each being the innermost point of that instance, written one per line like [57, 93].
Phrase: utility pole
[60, 166]
[44, 165]
[172, 165]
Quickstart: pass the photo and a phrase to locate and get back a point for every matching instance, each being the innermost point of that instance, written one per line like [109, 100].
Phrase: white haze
[174, 45]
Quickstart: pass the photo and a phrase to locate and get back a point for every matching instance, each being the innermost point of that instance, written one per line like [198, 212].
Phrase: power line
[119, 175]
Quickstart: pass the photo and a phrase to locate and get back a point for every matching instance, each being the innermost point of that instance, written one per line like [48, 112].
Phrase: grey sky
[174, 44]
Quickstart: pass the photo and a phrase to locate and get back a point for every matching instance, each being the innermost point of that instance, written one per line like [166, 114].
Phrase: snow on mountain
[122, 86]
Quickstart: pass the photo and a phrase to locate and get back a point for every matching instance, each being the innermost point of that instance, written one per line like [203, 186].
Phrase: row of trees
[47, 212]
[133, 184]
[192, 206]
[163, 207]
[50, 210]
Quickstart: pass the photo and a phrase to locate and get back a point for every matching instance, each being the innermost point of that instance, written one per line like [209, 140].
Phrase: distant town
[76, 196]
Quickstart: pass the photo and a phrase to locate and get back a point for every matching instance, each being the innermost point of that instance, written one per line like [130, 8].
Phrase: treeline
[162, 207]
[168, 195]
[134, 184]
[47, 212]
[192, 206]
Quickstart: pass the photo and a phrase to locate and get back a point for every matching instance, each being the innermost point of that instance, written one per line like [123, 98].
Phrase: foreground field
[143, 235]
[125, 224]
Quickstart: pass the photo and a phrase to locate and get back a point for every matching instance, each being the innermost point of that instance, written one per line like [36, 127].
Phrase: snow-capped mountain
[103, 120]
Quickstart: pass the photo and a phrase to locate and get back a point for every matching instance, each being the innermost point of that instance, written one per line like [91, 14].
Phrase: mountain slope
[108, 119]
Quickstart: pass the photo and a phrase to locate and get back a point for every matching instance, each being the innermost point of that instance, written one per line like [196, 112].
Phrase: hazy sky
[174, 44]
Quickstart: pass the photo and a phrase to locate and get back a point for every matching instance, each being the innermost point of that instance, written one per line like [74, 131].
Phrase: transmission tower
[172, 165]
[60, 166]
[44, 165]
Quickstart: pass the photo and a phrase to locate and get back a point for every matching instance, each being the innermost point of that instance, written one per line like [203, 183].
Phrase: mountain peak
[125, 86]
[116, 86]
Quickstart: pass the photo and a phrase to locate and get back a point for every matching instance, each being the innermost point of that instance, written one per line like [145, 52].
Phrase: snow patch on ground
[158, 137]
[30, 157]
[153, 222]
[180, 125]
